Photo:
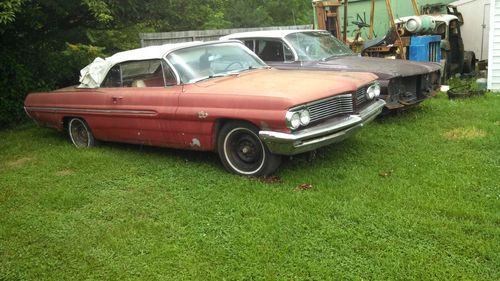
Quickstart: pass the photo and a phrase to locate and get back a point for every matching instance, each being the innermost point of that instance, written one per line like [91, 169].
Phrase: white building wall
[476, 25]
[494, 47]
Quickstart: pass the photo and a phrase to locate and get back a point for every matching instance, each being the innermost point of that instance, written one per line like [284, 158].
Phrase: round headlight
[305, 118]
[295, 120]
[292, 120]
[373, 91]
[370, 94]
[376, 89]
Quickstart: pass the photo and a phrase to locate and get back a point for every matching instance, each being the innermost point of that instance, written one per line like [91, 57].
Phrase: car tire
[469, 62]
[445, 75]
[242, 152]
[80, 134]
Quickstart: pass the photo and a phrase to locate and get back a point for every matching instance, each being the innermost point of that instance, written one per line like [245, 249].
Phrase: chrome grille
[329, 107]
[434, 51]
[361, 95]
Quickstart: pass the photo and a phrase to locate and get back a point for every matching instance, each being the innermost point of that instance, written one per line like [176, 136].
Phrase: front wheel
[80, 134]
[242, 152]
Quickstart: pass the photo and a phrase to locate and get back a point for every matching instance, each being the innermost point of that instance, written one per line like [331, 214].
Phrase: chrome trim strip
[27, 113]
[295, 54]
[106, 111]
[176, 74]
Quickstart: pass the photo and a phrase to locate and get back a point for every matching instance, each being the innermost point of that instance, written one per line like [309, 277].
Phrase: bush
[16, 80]
[22, 73]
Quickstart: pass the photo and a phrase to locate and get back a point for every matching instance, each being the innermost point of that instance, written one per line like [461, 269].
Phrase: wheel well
[65, 121]
[219, 123]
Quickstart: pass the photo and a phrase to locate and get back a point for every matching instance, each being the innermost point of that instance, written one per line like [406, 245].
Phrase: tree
[44, 43]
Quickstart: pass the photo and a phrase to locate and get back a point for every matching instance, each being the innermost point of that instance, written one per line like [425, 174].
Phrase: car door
[142, 97]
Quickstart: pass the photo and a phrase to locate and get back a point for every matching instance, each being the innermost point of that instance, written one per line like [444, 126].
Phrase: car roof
[93, 74]
[266, 33]
[150, 52]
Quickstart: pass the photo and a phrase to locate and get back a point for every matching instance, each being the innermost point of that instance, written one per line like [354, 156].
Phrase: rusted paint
[172, 112]
[264, 125]
[195, 142]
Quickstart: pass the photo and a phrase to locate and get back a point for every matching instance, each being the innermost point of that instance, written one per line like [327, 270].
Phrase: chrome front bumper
[320, 135]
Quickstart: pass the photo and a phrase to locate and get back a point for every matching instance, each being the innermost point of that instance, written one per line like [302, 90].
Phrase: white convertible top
[265, 34]
[93, 74]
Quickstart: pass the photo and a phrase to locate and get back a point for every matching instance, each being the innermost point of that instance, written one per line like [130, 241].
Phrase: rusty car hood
[384, 68]
[281, 87]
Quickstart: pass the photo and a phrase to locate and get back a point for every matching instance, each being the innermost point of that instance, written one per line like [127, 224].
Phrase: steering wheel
[360, 24]
[233, 63]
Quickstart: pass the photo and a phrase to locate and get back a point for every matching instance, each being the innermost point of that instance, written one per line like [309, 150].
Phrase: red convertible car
[213, 96]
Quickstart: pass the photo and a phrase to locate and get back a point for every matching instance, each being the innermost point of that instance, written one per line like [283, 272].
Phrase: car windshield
[198, 63]
[317, 45]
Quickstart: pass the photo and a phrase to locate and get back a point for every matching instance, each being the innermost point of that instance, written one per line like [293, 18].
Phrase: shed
[359, 10]
[476, 14]
[494, 47]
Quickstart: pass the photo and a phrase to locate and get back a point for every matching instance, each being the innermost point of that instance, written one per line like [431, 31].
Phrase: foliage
[40, 38]
[414, 197]
[117, 39]
[71, 58]
[470, 83]
[243, 13]
[8, 10]
[99, 10]
[216, 21]
[15, 78]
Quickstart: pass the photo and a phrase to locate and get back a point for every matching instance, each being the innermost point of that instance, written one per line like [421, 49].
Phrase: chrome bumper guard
[320, 135]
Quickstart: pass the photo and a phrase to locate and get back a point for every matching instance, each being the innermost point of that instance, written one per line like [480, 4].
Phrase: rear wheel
[242, 152]
[469, 62]
[80, 134]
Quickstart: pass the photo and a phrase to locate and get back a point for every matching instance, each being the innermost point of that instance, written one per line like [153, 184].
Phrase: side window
[270, 50]
[249, 44]
[169, 75]
[114, 78]
[147, 73]
[288, 53]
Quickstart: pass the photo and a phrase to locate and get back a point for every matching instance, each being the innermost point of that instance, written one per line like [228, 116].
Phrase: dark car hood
[384, 68]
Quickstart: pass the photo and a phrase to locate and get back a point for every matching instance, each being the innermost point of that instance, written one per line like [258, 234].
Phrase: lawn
[414, 196]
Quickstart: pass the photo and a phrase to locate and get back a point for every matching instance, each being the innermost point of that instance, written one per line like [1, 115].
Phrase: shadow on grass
[209, 157]
[47, 136]
[335, 153]
[401, 114]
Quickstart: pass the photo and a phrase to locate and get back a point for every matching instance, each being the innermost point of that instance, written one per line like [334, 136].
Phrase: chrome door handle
[116, 98]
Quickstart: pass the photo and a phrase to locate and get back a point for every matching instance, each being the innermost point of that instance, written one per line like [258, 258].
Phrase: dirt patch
[304, 186]
[270, 179]
[385, 173]
[19, 162]
[65, 172]
[465, 134]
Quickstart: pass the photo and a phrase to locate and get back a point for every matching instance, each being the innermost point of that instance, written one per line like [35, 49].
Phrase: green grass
[412, 196]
